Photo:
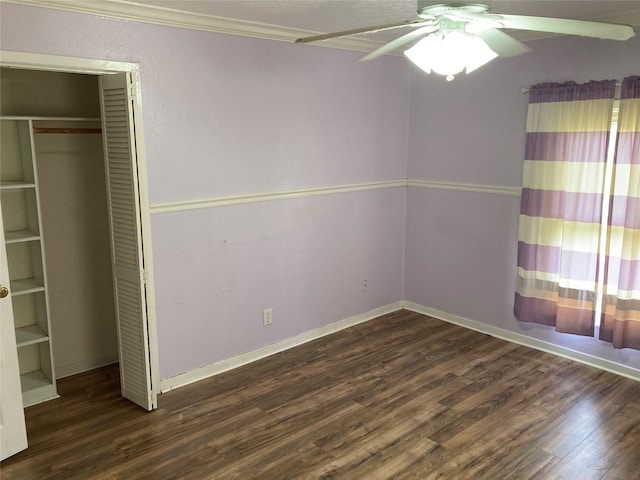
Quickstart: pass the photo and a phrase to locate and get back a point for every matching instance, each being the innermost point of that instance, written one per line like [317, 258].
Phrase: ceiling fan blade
[398, 42]
[501, 43]
[378, 28]
[606, 31]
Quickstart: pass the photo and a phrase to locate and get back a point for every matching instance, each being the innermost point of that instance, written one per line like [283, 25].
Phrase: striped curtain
[620, 321]
[561, 205]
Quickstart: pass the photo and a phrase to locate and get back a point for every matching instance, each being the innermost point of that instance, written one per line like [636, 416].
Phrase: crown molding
[126, 10]
[122, 9]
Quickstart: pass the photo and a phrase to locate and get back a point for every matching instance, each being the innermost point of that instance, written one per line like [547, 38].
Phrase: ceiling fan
[450, 38]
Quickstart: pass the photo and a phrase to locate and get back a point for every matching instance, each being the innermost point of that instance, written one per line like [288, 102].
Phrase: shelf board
[36, 388]
[30, 335]
[26, 285]
[33, 380]
[15, 185]
[18, 236]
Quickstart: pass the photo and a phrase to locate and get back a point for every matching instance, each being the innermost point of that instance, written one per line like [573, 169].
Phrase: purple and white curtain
[620, 320]
[561, 207]
[560, 241]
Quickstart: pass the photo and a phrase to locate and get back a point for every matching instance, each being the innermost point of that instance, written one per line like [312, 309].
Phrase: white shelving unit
[25, 252]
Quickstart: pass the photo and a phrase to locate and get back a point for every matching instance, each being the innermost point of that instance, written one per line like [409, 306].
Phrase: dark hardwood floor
[401, 397]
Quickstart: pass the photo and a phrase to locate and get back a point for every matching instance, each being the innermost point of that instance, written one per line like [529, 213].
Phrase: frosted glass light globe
[450, 52]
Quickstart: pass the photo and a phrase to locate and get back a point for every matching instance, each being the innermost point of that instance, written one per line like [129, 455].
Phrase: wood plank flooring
[401, 397]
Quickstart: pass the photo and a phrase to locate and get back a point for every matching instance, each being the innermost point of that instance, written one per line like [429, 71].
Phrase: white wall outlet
[267, 316]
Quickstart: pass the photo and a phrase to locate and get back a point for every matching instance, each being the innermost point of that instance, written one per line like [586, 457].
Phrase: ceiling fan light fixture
[450, 52]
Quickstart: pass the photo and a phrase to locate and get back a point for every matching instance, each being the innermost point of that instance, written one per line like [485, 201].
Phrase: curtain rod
[526, 89]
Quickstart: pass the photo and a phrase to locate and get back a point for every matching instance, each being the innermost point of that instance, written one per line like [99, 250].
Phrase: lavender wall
[228, 115]
[314, 260]
[461, 246]
[231, 115]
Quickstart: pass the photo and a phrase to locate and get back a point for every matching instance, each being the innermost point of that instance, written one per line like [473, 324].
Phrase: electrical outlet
[267, 316]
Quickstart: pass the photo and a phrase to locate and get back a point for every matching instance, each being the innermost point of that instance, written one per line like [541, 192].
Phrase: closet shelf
[27, 271]
[26, 285]
[30, 335]
[37, 387]
[33, 380]
[14, 185]
[18, 236]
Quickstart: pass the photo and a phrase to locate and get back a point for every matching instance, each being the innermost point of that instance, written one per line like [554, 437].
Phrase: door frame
[56, 63]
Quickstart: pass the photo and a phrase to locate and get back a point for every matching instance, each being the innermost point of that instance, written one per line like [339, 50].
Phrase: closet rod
[66, 130]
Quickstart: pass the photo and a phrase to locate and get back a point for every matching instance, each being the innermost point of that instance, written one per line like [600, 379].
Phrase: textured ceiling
[334, 15]
[287, 20]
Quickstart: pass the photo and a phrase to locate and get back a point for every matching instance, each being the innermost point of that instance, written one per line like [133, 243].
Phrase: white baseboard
[531, 342]
[207, 371]
[83, 366]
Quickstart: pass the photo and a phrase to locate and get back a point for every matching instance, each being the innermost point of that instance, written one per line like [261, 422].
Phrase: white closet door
[124, 211]
[13, 433]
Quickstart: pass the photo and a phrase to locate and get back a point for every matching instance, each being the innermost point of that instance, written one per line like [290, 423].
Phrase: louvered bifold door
[116, 96]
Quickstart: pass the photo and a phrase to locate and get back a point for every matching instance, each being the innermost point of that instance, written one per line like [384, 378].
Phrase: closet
[55, 218]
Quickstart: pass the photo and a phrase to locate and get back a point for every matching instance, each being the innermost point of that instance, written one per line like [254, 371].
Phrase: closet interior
[55, 218]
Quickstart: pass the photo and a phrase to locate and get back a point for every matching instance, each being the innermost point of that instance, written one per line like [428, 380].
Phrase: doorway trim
[56, 63]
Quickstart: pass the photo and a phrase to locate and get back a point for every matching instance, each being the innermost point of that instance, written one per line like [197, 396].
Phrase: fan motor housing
[427, 10]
